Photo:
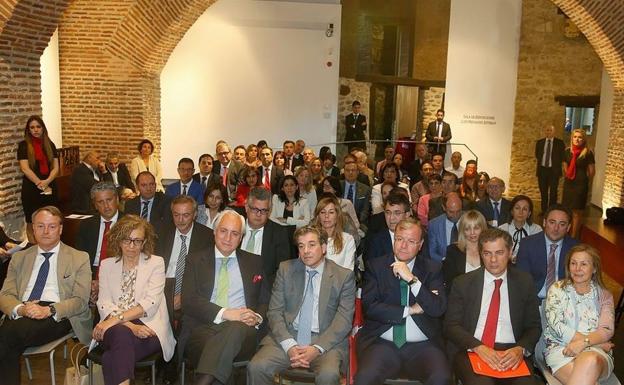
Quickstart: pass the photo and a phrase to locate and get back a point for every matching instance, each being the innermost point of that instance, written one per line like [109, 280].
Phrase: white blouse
[346, 257]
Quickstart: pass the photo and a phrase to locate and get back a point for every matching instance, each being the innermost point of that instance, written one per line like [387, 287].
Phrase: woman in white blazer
[146, 161]
[133, 311]
[288, 207]
[340, 245]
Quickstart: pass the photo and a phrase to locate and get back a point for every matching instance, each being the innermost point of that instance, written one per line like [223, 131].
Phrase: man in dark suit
[358, 193]
[495, 209]
[290, 161]
[438, 133]
[263, 237]
[403, 300]
[118, 174]
[355, 127]
[270, 175]
[549, 153]
[493, 311]
[186, 185]
[225, 295]
[543, 254]
[414, 168]
[228, 169]
[205, 176]
[84, 176]
[396, 208]
[153, 206]
[38, 308]
[307, 330]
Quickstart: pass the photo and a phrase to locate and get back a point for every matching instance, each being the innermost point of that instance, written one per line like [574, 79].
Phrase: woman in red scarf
[39, 163]
[578, 169]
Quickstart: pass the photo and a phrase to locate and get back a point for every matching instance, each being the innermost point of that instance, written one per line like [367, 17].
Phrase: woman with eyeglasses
[133, 311]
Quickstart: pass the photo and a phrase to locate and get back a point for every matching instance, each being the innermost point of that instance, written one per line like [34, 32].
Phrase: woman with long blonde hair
[578, 170]
[340, 245]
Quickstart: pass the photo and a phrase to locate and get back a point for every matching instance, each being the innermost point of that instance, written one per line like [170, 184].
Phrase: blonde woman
[306, 188]
[340, 245]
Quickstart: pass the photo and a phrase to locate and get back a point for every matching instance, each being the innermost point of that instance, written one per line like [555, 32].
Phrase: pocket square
[256, 278]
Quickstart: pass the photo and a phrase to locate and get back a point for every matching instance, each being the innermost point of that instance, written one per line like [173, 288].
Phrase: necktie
[179, 271]
[551, 269]
[304, 330]
[107, 225]
[267, 179]
[204, 179]
[223, 283]
[288, 165]
[399, 335]
[144, 211]
[454, 233]
[350, 194]
[42, 277]
[496, 212]
[251, 243]
[548, 151]
[183, 189]
[491, 322]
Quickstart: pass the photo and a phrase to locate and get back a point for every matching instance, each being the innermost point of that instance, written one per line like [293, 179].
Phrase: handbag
[79, 374]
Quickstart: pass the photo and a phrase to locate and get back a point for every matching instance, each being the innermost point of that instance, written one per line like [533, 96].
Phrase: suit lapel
[29, 263]
[246, 277]
[326, 279]
[63, 268]
[299, 284]
[514, 299]
[476, 293]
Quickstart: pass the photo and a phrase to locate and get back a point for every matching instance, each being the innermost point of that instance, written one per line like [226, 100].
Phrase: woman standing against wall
[39, 164]
[578, 169]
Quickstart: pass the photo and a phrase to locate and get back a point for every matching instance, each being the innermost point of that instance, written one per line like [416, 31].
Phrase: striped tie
[179, 271]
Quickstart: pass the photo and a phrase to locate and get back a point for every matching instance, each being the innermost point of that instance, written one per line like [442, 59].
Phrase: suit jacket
[202, 238]
[453, 265]
[161, 209]
[436, 232]
[195, 190]
[149, 286]
[212, 178]
[87, 238]
[381, 299]
[276, 248]
[81, 182]
[485, 207]
[233, 177]
[123, 177]
[556, 156]
[275, 177]
[413, 171]
[74, 280]
[336, 304]
[297, 160]
[464, 306]
[432, 132]
[378, 244]
[362, 202]
[301, 212]
[533, 257]
[355, 127]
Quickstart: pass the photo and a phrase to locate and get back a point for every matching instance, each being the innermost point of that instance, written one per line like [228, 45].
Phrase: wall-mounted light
[330, 30]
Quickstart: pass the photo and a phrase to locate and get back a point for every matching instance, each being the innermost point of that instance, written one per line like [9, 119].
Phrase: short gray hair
[259, 194]
[102, 186]
[225, 213]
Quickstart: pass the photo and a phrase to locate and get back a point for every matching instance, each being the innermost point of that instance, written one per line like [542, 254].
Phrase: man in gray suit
[45, 294]
[306, 329]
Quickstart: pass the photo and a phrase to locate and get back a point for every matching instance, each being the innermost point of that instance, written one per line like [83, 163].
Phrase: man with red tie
[270, 175]
[493, 312]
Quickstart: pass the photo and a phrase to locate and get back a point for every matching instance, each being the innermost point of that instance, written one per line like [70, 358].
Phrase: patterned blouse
[128, 282]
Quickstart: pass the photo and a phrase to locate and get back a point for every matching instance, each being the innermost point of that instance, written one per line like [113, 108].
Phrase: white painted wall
[250, 70]
[602, 138]
[484, 37]
[51, 90]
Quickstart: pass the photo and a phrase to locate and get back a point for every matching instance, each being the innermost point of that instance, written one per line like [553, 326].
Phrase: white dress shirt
[504, 330]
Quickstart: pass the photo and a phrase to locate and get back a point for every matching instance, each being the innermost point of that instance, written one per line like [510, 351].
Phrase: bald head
[453, 206]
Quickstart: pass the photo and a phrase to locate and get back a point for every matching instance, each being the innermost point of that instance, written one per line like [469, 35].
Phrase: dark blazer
[464, 305]
[413, 171]
[556, 156]
[485, 207]
[362, 201]
[202, 238]
[432, 132]
[276, 248]
[377, 222]
[533, 257]
[81, 182]
[160, 213]
[355, 127]
[381, 299]
[123, 177]
[275, 177]
[233, 177]
[378, 244]
[87, 238]
[335, 172]
[296, 162]
[212, 178]
[453, 265]
[195, 190]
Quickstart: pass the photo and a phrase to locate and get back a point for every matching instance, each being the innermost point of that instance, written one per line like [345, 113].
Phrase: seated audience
[403, 174]
[84, 176]
[437, 161]
[482, 182]
[329, 165]
[388, 156]
[543, 254]
[46, 309]
[308, 155]
[362, 178]
[521, 224]
[333, 186]
[205, 176]
[449, 185]
[289, 208]
[279, 163]
[225, 299]
[435, 186]
[227, 168]
[403, 300]
[396, 208]
[414, 168]
[147, 161]
[316, 172]
[270, 174]
[421, 187]
[340, 245]
[323, 151]
[495, 208]
[443, 229]
[306, 188]
[303, 334]
[291, 160]
[463, 256]
[579, 321]
[469, 182]
[250, 178]
[151, 205]
[358, 193]
[117, 173]
[456, 167]
[362, 162]
[215, 201]
[134, 321]
[186, 185]
[389, 173]
[240, 154]
[493, 312]
[377, 221]
[252, 158]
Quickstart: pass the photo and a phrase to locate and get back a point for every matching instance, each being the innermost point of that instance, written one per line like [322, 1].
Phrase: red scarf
[40, 156]
[571, 171]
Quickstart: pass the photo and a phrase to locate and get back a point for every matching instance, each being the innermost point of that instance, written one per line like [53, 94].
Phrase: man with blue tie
[45, 294]
[357, 192]
[151, 205]
[309, 315]
[186, 185]
[495, 208]
[403, 299]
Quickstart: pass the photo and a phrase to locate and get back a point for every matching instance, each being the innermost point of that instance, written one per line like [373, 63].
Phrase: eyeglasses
[258, 211]
[223, 153]
[137, 242]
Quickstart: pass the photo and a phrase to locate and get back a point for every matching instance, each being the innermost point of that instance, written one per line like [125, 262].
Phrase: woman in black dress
[39, 163]
[578, 169]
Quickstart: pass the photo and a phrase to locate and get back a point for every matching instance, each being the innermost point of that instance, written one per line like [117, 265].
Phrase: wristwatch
[413, 281]
[52, 310]
[587, 343]
[120, 316]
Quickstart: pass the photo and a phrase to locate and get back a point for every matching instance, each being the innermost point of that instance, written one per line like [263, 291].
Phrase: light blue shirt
[544, 289]
[346, 191]
[449, 228]
[236, 292]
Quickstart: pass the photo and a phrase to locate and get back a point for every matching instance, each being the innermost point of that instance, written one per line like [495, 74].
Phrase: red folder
[481, 367]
